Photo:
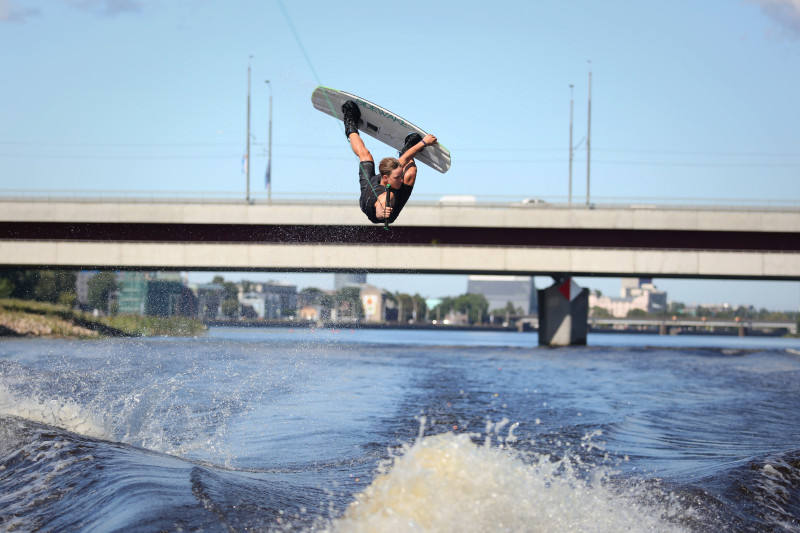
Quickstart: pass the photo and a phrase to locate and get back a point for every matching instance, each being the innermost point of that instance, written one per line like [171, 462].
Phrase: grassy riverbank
[22, 318]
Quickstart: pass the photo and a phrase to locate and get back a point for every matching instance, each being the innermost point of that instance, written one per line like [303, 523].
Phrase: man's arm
[417, 148]
[410, 173]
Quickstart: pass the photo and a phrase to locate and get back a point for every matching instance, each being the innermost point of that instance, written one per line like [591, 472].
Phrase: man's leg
[358, 147]
[351, 114]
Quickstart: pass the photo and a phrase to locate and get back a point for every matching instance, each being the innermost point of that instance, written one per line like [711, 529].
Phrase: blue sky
[689, 100]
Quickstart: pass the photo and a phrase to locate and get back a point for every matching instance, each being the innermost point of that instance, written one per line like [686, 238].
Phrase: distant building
[635, 293]
[163, 298]
[209, 300]
[348, 280]
[374, 303]
[309, 297]
[500, 290]
[287, 293]
[265, 304]
[82, 285]
[154, 294]
[132, 293]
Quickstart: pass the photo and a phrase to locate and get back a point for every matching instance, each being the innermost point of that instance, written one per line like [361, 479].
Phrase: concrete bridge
[667, 324]
[450, 237]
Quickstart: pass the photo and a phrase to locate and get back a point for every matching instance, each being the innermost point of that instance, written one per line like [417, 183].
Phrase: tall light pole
[247, 158]
[589, 137]
[269, 148]
[571, 103]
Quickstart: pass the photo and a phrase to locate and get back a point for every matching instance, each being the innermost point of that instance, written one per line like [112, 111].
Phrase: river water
[381, 430]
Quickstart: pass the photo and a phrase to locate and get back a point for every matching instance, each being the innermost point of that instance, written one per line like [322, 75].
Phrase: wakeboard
[381, 124]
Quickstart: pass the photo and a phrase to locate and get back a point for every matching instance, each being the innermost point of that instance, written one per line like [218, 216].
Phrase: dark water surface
[369, 430]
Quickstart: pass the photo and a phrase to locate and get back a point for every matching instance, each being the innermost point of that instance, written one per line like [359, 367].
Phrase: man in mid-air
[379, 202]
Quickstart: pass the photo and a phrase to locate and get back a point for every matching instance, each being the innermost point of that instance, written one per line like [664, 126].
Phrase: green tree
[309, 296]
[637, 313]
[20, 283]
[509, 309]
[230, 308]
[101, 286]
[40, 285]
[475, 306]
[677, 308]
[410, 307]
[418, 307]
[231, 290]
[348, 302]
[599, 312]
[51, 284]
[443, 309]
[703, 311]
[6, 288]
[249, 312]
[230, 297]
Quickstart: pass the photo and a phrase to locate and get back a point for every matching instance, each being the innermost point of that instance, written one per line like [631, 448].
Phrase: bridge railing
[341, 198]
[696, 322]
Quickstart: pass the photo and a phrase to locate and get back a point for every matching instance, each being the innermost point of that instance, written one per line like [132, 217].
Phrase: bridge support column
[663, 329]
[563, 313]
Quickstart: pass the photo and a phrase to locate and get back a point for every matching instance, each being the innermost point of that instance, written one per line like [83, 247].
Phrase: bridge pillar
[663, 329]
[563, 313]
[742, 331]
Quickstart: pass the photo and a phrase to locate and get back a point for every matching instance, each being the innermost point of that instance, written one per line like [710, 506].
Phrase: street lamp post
[589, 137]
[571, 104]
[247, 157]
[269, 148]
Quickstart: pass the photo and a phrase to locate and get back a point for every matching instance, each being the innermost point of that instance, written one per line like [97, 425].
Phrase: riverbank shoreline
[24, 319]
[298, 324]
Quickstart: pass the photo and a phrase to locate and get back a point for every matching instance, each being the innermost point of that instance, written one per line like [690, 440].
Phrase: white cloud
[785, 12]
[11, 12]
[108, 8]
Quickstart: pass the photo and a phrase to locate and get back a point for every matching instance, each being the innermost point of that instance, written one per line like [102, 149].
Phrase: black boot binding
[352, 115]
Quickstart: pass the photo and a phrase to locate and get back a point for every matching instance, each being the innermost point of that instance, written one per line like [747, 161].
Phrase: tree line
[58, 286]
[678, 309]
[54, 286]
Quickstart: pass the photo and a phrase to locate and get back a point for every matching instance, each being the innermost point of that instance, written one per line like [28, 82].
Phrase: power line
[116, 144]
[336, 147]
[513, 161]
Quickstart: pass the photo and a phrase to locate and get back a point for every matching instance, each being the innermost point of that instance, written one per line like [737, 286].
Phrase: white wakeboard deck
[381, 124]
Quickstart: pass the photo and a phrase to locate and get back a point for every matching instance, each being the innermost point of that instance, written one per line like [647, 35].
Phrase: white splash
[58, 412]
[447, 483]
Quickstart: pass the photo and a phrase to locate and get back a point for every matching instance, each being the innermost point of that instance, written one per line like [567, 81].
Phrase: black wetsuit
[371, 188]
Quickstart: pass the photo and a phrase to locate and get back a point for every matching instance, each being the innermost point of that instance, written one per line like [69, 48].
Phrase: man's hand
[383, 214]
[414, 150]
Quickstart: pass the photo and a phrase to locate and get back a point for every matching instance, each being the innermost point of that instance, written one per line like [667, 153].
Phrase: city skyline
[759, 294]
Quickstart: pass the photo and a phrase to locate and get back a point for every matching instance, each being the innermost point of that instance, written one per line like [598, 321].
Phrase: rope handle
[386, 220]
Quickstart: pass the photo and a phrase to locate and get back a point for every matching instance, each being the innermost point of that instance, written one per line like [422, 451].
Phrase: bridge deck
[518, 239]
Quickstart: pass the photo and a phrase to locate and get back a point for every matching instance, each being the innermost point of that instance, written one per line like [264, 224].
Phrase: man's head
[391, 172]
